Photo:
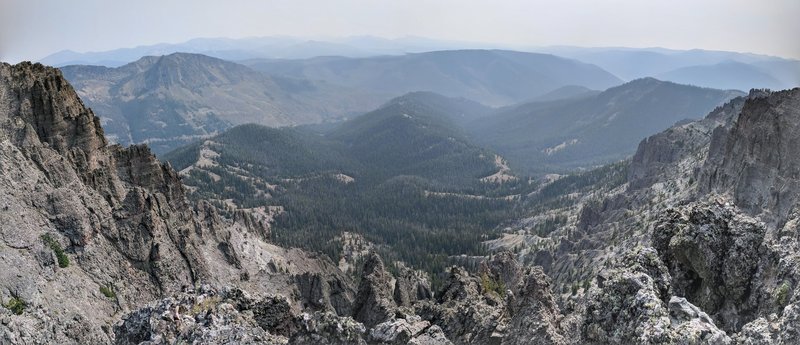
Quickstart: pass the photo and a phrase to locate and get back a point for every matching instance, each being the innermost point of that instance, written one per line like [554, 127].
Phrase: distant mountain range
[725, 75]
[493, 77]
[452, 141]
[708, 68]
[170, 100]
[741, 71]
[557, 121]
[276, 47]
[598, 128]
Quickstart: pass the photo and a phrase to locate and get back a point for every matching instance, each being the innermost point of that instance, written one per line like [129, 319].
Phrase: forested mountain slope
[552, 136]
[404, 175]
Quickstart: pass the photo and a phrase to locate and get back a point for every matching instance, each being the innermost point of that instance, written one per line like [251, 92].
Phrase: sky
[32, 29]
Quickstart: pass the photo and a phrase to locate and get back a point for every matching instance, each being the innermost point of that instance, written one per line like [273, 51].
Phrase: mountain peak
[646, 80]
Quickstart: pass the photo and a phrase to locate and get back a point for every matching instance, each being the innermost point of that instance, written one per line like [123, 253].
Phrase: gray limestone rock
[206, 316]
[325, 328]
[411, 286]
[756, 161]
[712, 251]
[536, 316]
[374, 302]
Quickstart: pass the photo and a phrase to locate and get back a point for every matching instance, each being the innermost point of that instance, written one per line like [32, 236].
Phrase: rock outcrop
[504, 304]
[505, 271]
[411, 286]
[657, 155]
[323, 292]
[205, 316]
[632, 304]
[111, 216]
[756, 161]
[716, 199]
[712, 252]
[325, 328]
[536, 316]
[465, 313]
[374, 302]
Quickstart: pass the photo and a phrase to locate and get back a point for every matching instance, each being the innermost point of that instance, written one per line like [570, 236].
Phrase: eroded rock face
[205, 316]
[504, 269]
[45, 108]
[756, 162]
[409, 329]
[536, 316]
[119, 215]
[632, 304]
[125, 232]
[717, 198]
[230, 315]
[464, 312]
[325, 328]
[712, 252]
[411, 286]
[504, 304]
[693, 326]
[627, 305]
[374, 302]
[325, 293]
[657, 155]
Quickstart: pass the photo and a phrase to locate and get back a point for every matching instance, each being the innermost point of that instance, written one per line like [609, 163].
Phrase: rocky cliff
[756, 162]
[725, 247]
[698, 246]
[95, 230]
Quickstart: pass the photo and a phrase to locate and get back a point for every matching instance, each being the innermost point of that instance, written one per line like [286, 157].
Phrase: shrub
[782, 293]
[108, 291]
[63, 259]
[206, 304]
[16, 305]
[489, 284]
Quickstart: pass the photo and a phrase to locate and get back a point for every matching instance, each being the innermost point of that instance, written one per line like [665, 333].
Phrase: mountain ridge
[171, 99]
[492, 77]
[592, 130]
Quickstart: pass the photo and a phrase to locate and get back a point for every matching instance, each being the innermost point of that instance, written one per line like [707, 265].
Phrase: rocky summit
[101, 244]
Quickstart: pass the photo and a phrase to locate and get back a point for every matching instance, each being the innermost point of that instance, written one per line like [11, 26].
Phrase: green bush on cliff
[63, 259]
[16, 305]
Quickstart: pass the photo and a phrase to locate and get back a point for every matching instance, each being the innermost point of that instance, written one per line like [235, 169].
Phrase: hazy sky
[32, 29]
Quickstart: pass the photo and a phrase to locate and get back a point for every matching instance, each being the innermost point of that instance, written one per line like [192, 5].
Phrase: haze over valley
[311, 173]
